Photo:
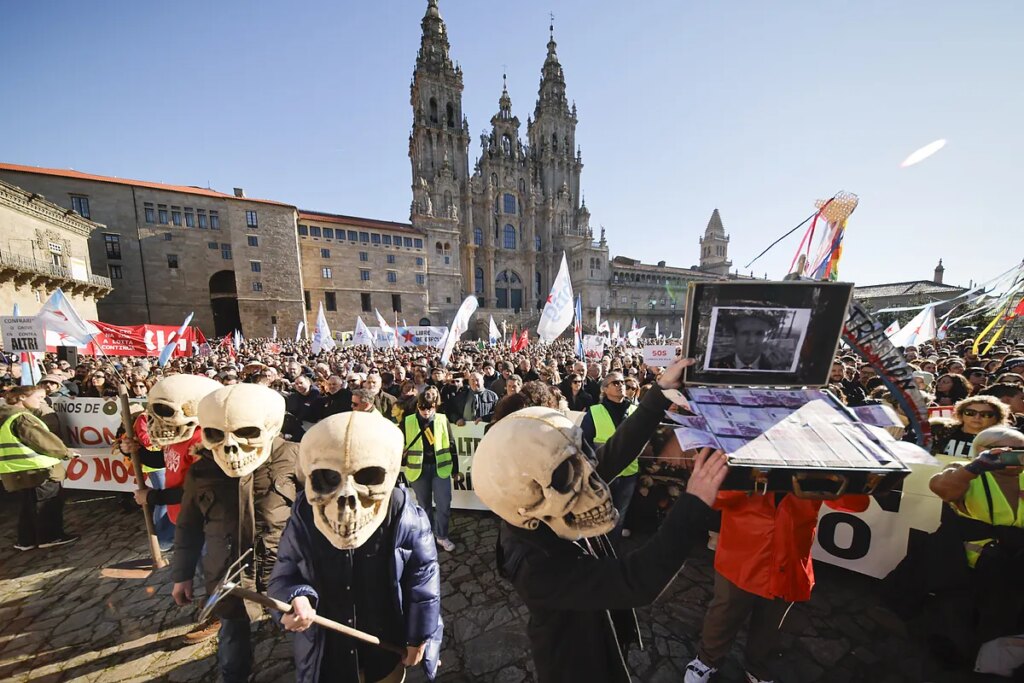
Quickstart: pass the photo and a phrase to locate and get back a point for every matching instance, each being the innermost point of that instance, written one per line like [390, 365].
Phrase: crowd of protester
[976, 404]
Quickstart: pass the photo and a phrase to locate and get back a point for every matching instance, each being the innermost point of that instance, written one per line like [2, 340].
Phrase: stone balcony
[27, 271]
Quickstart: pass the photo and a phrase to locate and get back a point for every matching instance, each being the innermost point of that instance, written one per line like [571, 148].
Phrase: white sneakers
[698, 672]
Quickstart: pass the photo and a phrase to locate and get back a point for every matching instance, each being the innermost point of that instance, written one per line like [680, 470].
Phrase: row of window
[189, 217]
[331, 301]
[327, 273]
[373, 238]
[509, 235]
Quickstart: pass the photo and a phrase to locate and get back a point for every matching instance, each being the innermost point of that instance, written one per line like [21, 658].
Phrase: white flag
[322, 339]
[298, 331]
[362, 336]
[919, 330]
[273, 333]
[386, 329]
[634, 335]
[59, 317]
[657, 329]
[558, 310]
[459, 326]
[893, 328]
[603, 327]
[617, 334]
[597, 319]
[492, 332]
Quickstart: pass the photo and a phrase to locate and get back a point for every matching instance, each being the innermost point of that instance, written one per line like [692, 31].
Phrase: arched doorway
[224, 303]
[508, 290]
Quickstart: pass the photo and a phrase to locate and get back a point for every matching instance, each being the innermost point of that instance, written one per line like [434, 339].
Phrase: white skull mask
[239, 424]
[172, 408]
[530, 468]
[351, 462]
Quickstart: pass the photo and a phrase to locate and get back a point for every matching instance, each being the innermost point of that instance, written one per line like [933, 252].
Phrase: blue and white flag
[60, 317]
[492, 332]
[577, 329]
[558, 310]
[165, 353]
[322, 339]
[362, 335]
[386, 329]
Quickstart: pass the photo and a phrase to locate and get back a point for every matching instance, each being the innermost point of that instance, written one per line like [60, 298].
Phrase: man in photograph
[751, 331]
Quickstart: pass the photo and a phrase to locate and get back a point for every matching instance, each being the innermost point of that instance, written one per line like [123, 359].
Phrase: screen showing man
[756, 339]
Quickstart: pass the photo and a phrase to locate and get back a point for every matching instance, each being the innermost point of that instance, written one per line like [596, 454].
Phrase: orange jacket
[765, 548]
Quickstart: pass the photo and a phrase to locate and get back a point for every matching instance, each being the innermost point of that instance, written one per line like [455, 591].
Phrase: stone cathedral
[499, 232]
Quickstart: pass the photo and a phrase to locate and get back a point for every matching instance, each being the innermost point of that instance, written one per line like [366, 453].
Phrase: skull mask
[530, 468]
[351, 462]
[172, 408]
[239, 425]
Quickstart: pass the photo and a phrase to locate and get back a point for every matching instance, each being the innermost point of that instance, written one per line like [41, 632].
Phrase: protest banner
[136, 340]
[409, 336]
[23, 334]
[466, 440]
[89, 422]
[99, 470]
[660, 356]
[873, 542]
[593, 346]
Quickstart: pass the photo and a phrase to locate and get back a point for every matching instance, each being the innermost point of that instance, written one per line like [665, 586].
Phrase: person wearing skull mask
[358, 550]
[239, 497]
[534, 470]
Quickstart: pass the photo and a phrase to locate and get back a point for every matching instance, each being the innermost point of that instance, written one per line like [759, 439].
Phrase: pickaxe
[230, 586]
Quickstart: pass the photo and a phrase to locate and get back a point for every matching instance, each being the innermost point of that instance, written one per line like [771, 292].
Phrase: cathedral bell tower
[714, 247]
[439, 154]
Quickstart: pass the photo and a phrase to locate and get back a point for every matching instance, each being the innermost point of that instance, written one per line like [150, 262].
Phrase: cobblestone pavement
[60, 621]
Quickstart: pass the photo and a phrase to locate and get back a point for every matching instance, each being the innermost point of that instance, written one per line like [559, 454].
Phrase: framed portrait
[763, 334]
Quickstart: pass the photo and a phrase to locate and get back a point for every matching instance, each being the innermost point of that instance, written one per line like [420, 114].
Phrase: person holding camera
[986, 494]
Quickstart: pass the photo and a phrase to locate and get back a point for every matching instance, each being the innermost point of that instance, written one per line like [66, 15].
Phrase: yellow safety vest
[16, 456]
[603, 430]
[977, 508]
[414, 454]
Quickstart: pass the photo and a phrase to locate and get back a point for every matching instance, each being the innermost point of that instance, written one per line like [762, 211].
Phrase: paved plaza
[61, 621]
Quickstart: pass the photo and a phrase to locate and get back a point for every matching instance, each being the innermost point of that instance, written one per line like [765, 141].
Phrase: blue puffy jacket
[414, 571]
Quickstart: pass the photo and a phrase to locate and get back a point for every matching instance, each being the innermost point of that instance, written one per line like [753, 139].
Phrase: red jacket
[177, 458]
[765, 548]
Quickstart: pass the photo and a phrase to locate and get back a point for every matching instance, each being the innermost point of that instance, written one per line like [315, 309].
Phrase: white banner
[99, 470]
[23, 333]
[466, 440]
[409, 336]
[660, 356]
[89, 422]
[593, 346]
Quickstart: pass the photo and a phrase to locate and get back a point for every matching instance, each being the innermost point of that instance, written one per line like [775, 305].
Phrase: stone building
[355, 266]
[43, 247]
[499, 233]
[171, 249]
[910, 293]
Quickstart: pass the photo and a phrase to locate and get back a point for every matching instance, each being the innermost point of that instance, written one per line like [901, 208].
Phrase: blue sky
[751, 107]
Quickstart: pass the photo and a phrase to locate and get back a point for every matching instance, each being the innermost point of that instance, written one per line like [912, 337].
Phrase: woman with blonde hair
[971, 416]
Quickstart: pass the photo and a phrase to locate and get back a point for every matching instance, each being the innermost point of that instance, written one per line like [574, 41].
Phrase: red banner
[140, 340]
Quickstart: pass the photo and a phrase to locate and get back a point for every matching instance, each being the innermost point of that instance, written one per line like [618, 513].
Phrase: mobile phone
[1013, 458]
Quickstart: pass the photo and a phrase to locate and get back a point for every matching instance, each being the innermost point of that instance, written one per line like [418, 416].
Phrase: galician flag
[59, 317]
[919, 330]
[558, 310]
[459, 326]
[322, 339]
[893, 328]
[577, 328]
[492, 332]
[362, 336]
[634, 336]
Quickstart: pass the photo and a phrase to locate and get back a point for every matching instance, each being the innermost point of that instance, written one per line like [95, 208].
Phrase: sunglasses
[576, 381]
[616, 382]
[986, 414]
[632, 386]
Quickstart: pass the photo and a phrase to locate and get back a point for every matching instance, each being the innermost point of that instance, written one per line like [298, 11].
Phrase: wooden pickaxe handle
[285, 608]
[126, 422]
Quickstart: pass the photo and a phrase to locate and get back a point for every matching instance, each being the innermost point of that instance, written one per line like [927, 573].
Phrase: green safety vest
[603, 430]
[414, 454]
[16, 456]
[977, 508]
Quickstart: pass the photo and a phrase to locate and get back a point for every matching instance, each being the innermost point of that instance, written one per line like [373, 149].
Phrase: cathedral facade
[498, 232]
